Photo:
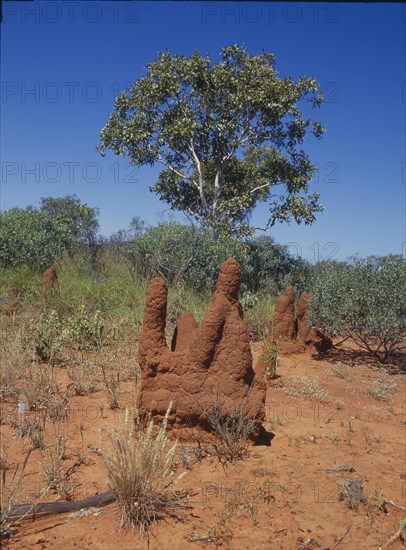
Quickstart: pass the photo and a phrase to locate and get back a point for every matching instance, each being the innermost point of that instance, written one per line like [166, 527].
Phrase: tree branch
[171, 168]
[199, 171]
[274, 183]
[260, 187]
[242, 139]
[218, 181]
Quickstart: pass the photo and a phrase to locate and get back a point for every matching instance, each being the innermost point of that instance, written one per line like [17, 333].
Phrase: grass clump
[112, 385]
[140, 470]
[9, 492]
[19, 282]
[270, 358]
[52, 469]
[232, 430]
[83, 376]
[256, 318]
[41, 388]
[32, 429]
[14, 361]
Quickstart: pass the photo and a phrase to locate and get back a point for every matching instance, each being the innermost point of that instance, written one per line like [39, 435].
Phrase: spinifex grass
[140, 464]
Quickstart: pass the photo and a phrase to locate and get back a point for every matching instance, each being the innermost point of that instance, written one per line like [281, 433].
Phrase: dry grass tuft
[231, 430]
[140, 469]
[41, 388]
[32, 429]
[52, 468]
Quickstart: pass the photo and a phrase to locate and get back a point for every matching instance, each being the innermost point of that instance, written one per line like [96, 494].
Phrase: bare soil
[280, 497]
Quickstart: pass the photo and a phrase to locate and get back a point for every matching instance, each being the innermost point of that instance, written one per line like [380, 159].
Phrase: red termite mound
[208, 365]
[49, 279]
[304, 333]
[186, 326]
[284, 317]
[307, 336]
[292, 333]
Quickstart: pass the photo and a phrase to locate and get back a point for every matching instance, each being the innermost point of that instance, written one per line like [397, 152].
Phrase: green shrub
[248, 300]
[32, 238]
[209, 254]
[365, 301]
[85, 330]
[52, 333]
[48, 337]
[80, 218]
[270, 268]
[162, 251]
[183, 252]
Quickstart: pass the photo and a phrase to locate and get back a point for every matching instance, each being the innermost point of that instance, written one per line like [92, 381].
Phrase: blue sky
[62, 63]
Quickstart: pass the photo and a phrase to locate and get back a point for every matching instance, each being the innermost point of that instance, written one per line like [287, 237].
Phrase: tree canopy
[227, 134]
[80, 218]
[33, 238]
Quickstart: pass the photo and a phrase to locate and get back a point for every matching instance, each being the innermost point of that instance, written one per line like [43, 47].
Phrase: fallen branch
[395, 505]
[401, 532]
[32, 511]
[342, 538]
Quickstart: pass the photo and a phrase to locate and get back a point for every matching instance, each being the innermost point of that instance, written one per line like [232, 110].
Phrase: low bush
[85, 331]
[32, 238]
[42, 386]
[48, 337]
[366, 302]
[308, 388]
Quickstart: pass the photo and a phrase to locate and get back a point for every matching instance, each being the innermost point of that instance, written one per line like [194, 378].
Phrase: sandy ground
[279, 497]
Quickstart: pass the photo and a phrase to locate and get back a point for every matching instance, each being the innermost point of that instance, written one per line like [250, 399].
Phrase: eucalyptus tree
[227, 135]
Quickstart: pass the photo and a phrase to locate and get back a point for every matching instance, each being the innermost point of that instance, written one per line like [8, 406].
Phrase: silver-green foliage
[365, 301]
